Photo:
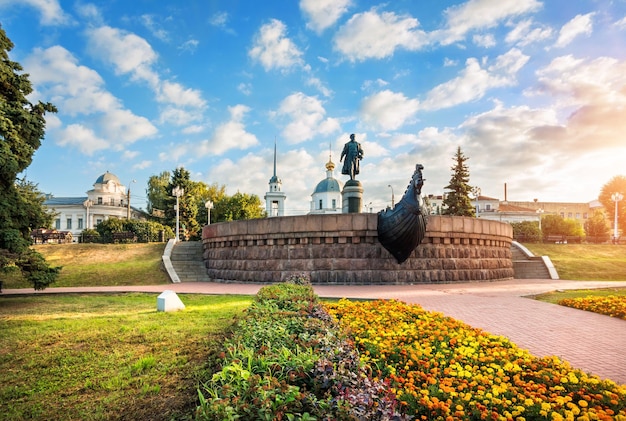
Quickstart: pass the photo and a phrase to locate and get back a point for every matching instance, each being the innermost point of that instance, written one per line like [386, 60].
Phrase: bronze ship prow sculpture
[402, 229]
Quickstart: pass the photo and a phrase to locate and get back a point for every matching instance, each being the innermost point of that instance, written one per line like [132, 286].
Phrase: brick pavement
[589, 341]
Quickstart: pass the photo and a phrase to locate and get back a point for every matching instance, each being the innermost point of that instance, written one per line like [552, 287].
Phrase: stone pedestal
[352, 197]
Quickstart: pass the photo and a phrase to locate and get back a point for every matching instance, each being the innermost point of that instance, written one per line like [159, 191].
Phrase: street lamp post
[177, 192]
[392, 196]
[209, 206]
[128, 200]
[616, 197]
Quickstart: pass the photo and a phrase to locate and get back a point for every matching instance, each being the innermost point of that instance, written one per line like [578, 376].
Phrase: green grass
[554, 296]
[585, 262]
[100, 265]
[97, 357]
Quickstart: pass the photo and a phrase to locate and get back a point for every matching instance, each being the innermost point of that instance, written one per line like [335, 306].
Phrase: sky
[533, 92]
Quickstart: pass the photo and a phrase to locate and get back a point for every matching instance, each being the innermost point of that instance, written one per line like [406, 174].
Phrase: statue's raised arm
[353, 153]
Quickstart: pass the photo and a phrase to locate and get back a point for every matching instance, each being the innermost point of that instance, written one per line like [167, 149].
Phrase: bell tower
[275, 197]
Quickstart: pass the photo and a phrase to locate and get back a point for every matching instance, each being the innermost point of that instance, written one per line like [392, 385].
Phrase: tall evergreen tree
[188, 208]
[22, 127]
[457, 202]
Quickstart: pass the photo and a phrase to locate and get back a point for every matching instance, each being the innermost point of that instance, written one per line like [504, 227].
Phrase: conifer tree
[457, 202]
[22, 127]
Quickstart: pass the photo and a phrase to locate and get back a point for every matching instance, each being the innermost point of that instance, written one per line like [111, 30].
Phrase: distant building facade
[108, 199]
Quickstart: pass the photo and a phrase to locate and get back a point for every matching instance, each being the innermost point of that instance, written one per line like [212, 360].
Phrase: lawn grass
[555, 296]
[97, 357]
[100, 265]
[585, 262]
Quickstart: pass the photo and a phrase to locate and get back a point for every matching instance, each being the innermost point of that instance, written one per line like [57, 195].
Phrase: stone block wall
[344, 249]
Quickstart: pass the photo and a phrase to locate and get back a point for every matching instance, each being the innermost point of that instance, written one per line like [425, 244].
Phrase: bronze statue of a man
[353, 153]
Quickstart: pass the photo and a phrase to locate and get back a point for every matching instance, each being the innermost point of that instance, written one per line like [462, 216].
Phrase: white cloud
[180, 116]
[388, 110]
[193, 129]
[142, 165]
[127, 52]
[231, 134]
[319, 85]
[245, 88]
[524, 33]
[189, 46]
[377, 35]
[579, 25]
[79, 91]
[177, 94]
[475, 81]
[51, 13]
[154, 28]
[307, 118]
[480, 14]
[486, 40]
[123, 127]
[128, 154]
[323, 14]
[273, 49]
[82, 138]
[219, 19]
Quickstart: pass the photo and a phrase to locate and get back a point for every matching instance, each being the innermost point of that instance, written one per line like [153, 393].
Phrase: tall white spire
[275, 198]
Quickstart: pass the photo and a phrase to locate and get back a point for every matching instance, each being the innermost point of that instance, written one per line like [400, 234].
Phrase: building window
[98, 221]
[320, 203]
[569, 215]
[57, 223]
[585, 216]
[274, 208]
[80, 223]
[334, 203]
[99, 200]
[577, 215]
[68, 223]
[488, 207]
[112, 202]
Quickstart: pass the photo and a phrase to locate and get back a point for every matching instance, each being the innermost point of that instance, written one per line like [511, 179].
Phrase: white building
[275, 198]
[108, 199]
[327, 195]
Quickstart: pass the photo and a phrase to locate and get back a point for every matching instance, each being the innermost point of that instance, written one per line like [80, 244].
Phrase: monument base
[352, 197]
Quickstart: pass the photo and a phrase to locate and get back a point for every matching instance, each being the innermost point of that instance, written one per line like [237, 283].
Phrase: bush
[526, 231]
[145, 231]
[288, 359]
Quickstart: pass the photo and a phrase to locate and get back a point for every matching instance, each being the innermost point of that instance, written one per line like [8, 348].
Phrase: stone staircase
[528, 266]
[188, 261]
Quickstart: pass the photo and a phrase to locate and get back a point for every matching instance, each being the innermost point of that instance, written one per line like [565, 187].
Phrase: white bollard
[169, 301]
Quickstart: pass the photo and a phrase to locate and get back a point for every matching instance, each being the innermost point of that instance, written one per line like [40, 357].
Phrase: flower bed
[614, 306]
[443, 369]
[287, 359]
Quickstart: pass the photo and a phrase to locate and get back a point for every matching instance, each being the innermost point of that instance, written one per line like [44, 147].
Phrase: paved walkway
[592, 342]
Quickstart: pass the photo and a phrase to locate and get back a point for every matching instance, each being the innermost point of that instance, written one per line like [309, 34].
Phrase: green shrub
[288, 359]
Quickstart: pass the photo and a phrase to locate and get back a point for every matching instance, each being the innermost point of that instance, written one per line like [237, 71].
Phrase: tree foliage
[457, 202]
[22, 127]
[616, 185]
[193, 212]
[596, 227]
[557, 225]
[526, 231]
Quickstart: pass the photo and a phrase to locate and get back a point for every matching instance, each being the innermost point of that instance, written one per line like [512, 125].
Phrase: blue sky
[534, 92]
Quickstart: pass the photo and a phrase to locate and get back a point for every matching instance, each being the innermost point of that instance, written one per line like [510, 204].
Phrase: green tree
[458, 202]
[526, 231]
[557, 225]
[22, 127]
[239, 206]
[203, 193]
[616, 185]
[156, 192]
[597, 227]
[188, 208]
